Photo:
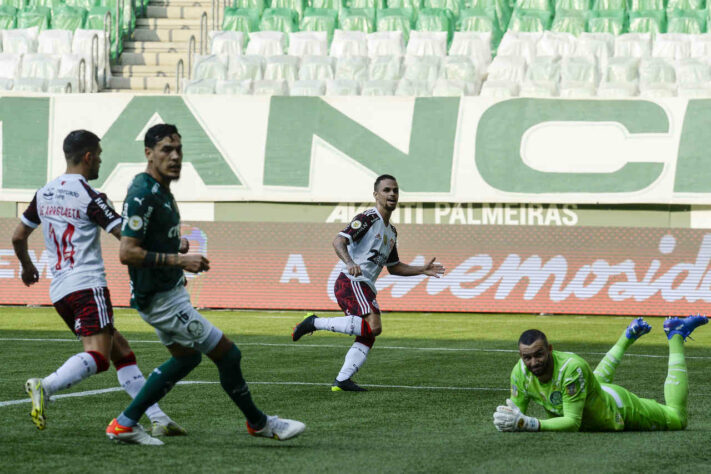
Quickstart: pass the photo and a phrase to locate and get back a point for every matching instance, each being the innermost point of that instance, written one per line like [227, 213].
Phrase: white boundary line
[89, 393]
[337, 346]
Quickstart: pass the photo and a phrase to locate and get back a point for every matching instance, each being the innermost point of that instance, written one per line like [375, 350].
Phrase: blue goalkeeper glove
[510, 418]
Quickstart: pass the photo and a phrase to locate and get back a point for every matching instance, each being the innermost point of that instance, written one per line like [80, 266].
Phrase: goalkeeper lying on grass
[576, 398]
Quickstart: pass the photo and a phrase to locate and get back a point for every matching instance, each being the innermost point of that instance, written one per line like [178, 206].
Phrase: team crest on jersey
[572, 388]
[135, 222]
[355, 225]
[556, 398]
[195, 328]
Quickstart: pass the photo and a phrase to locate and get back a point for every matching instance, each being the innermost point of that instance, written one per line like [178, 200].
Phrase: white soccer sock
[74, 370]
[131, 380]
[355, 358]
[350, 325]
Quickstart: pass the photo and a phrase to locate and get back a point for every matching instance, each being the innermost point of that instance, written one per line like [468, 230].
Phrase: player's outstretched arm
[132, 254]
[30, 275]
[432, 268]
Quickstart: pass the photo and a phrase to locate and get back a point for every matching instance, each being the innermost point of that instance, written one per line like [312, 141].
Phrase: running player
[576, 398]
[365, 246]
[150, 246]
[71, 212]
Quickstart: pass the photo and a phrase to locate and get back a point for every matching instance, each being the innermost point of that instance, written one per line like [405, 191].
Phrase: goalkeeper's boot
[683, 326]
[637, 328]
[39, 399]
[277, 428]
[347, 385]
[167, 427]
[304, 327]
[130, 434]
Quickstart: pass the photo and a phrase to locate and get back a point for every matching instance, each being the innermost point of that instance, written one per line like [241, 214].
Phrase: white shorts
[177, 322]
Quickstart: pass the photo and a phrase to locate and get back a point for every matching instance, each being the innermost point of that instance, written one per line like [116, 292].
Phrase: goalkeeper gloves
[510, 418]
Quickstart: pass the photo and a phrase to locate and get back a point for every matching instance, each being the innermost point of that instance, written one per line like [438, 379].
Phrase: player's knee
[189, 362]
[369, 329]
[231, 358]
[102, 364]
[366, 340]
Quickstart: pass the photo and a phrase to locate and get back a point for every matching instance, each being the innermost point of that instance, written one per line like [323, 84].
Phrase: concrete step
[143, 83]
[155, 46]
[168, 23]
[166, 34]
[153, 59]
[191, 13]
[143, 70]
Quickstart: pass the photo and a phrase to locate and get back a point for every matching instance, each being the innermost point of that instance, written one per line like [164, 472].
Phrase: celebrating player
[150, 246]
[364, 247]
[576, 398]
[71, 212]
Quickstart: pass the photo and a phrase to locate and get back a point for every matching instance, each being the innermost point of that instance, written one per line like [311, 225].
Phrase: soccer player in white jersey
[71, 212]
[365, 246]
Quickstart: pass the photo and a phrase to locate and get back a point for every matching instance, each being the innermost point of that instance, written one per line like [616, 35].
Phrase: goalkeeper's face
[538, 359]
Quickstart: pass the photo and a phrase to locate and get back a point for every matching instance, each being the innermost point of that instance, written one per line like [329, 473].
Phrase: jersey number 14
[65, 248]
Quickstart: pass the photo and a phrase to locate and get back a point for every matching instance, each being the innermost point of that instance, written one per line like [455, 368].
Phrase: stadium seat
[349, 43]
[378, 88]
[9, 70]
[385, 68]
[70, 72]
[68, 18]
[352, 68]
[692, 72]
[8, 17]
[45, 3]
[573, 22]
[30, 84]
[320, 20]
[299, 6]
[18, 4]
[597, 46]
[342, 87]
[308, 43]
[672, 46]
[622, 70]
[686, 5]
[336, 5]
[209, 66]
[245, 20]
[556, 44]
[200, 86]
[426, 43]
[266, 43]
[648, 21]
[578, 73]
[609, 5]
[82, 46]
[700, 46]
[645, 5]
[635, 45]
[281, 68]
[372, 4]
[413, 5]
[284, 20]
[530, 21]
[436, 20]
[313, 88]
[408, 87]
[357, 19]
[386, 43]
[241, 68]
[572, 5]
[316, 68]
[54, 42]
[226, 43]
[519, 44]
[96, 20]
[395, 19]
[454, 6]
[44, 67]
[60, 86]
[686, 21]
[258, 5]
[421, 69]
[232, 87]
[608, 21]
[657, 78]
[36, 16]
[542, 78]
[20, 41]
[270, 88]
[460, 68]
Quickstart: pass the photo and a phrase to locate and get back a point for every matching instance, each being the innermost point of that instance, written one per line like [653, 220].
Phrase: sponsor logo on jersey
[48, 194]
[135, 223]
[355, 225]
[139, 200]
[556, 398]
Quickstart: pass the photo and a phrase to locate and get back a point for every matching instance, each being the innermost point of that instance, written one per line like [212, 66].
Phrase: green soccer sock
[160, 383]
[676, 386]
[234, 384]
[605, 370]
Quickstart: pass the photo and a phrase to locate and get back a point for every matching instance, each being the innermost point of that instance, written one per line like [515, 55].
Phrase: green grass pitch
[434, 380]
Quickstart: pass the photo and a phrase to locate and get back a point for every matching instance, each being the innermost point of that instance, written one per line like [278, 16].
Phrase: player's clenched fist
[194, 263]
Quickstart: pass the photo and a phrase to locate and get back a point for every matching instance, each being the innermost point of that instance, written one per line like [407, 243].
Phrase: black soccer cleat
[304, 327]
[347, 385]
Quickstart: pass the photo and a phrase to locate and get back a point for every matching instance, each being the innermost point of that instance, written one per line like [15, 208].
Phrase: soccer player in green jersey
[576, 398]
[156, 256]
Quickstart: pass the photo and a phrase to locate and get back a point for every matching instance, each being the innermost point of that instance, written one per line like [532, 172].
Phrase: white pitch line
[89, 393]
[337, 346]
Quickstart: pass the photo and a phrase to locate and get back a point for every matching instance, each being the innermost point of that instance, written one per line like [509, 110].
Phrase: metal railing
[107, 52]
[81, 83]
[179, 73]
[166, 88]
[203, 31]
[216, 13]
[191, 53]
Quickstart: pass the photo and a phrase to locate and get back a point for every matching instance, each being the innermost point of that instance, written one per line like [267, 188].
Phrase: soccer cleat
[347, 385]
[637, 328]
[304, 327]
[683, 326]
[278, 428]
[39, 399]
[130, 434]
[167, 427]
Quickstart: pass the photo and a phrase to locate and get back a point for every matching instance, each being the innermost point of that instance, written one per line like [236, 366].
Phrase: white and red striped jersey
[71, 212]
[372, 245]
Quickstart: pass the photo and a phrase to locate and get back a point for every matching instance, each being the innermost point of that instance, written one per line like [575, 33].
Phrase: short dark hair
[78, 143]
[381, 178]
[530, 336]
[158, 132]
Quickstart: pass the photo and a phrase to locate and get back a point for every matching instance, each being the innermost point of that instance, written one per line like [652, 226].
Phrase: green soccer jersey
[573, 398]
[151, 215]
